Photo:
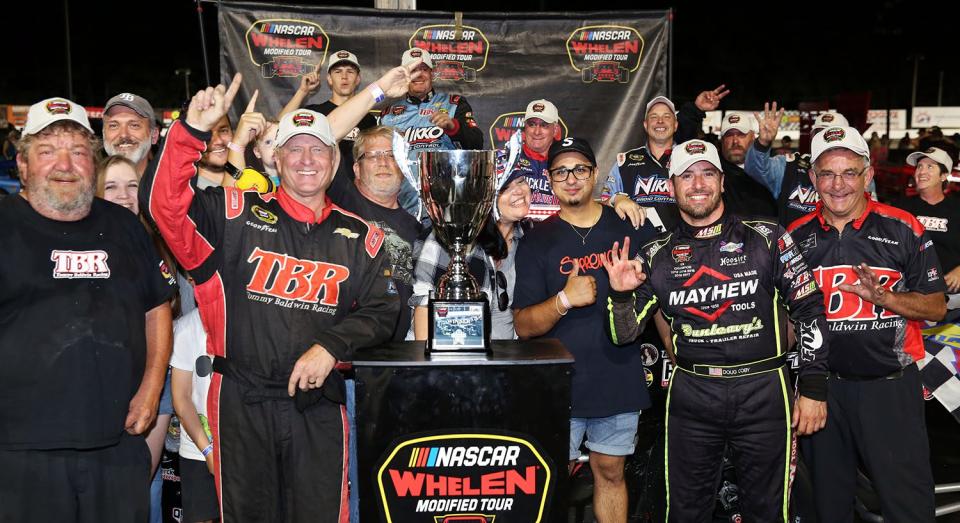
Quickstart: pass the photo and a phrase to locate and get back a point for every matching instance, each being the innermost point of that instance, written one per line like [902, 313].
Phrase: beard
[699, 212]
[61, 201]
[134, 156]
[382, 188]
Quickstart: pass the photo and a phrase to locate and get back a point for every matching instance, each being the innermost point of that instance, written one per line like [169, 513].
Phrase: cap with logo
[936, 154]
[738, 121]
[691, 152]
[838, 138]
[660, 100]
[341, 57]
[543, 110]
[411, 55]
[571, 145]
[51, 110]
[829, 119]
[304, 121]
[138, 104]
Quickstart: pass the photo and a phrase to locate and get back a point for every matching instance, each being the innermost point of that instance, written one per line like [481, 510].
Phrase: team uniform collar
[427, 99]
[709, 231]
[857, 224]
[301, 212]
[534, 155]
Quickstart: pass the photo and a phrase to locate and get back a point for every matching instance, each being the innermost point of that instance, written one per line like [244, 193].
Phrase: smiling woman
[117, 182]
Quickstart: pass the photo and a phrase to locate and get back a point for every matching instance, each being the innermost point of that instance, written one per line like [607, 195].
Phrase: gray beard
[45, 197]
[134, 156]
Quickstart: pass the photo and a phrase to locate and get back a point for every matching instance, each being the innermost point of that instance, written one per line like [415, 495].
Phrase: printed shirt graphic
[543, 203]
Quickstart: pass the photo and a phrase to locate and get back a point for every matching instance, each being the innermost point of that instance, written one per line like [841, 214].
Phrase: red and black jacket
[870, 341]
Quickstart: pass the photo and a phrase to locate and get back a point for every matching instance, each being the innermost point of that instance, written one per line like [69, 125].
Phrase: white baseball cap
[691, 152]
[340, 57]
[543, 110]
[412, 54]
[660, 100]
[740, 121]
[829, 119]
[938, 155]
[304, 121]
[46, 112]
[838, 138]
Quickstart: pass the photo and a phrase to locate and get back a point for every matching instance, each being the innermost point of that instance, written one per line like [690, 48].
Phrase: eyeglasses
[848, 176]
[580, 172]
[373, 156]
[501, 283]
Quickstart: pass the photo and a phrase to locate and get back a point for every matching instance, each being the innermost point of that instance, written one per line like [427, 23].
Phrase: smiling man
[130, 128]
[880, 278]
[560, 292]
[720, 280]
[289, 285]
[85, 335]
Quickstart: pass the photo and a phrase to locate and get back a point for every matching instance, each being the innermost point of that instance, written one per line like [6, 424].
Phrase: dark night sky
[788, 51]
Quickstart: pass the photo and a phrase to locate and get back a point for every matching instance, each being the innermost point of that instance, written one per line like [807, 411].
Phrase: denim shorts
[614, 435]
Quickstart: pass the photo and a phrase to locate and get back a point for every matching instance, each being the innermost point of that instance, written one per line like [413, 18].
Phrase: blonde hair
[105, 164]
[379, 131]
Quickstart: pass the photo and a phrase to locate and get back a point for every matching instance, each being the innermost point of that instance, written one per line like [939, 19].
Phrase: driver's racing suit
[720, 288]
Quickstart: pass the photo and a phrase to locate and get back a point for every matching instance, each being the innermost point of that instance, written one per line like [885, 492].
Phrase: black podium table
[463, 438]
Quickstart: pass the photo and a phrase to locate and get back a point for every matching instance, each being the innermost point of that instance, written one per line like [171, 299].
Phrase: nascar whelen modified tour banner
[599, 69]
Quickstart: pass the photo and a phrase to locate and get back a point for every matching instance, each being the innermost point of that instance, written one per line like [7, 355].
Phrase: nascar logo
[493, 456]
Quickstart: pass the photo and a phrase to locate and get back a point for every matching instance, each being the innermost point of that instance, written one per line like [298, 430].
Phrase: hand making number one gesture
[210, 104]
[625, 273]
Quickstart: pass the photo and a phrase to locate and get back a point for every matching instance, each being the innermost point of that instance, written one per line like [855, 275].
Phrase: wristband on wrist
[232, 170]
[556, 302]
[376, 93]
[207, 450]
[235, 147]
[563, 299]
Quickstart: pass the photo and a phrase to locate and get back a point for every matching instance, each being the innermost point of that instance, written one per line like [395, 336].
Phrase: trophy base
[458, 327]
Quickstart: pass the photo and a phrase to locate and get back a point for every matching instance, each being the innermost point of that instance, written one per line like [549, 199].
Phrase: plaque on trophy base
[459, 326]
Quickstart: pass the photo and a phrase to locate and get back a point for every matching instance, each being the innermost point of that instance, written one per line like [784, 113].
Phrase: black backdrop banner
[599, 69]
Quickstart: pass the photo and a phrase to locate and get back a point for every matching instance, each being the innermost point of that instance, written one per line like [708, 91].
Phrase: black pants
[751, 416]
[277, 464]
[883, 423]
[105, 485]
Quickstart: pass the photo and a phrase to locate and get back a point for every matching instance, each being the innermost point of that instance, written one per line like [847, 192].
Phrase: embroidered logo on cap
[416, 53]
[58, 107]
[343, 54]
[303, 120]
[538, 108]
[695, 148]
[834, 135]
[733, 118]
[827, 118]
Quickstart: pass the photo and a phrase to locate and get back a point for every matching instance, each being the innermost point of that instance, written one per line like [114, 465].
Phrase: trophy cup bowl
[458, 192]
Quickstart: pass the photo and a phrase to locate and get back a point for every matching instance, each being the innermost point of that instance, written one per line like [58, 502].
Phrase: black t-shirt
[345, 170]
[607, 379]
[942, 222]
[72, 315]
[401, 232]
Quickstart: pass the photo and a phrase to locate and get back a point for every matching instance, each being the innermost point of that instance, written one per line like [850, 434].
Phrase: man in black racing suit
[288, 286]
[718, 280]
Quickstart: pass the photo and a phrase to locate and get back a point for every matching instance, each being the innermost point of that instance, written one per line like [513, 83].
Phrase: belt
[895, 375]
[258, 389]
[732, 371]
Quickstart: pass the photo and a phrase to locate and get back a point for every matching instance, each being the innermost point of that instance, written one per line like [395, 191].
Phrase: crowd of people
[229, 272]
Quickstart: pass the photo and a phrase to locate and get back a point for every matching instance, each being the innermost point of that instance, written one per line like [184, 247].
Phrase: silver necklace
[583, 237]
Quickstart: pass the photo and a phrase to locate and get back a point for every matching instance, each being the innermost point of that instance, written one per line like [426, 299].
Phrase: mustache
[125, 141]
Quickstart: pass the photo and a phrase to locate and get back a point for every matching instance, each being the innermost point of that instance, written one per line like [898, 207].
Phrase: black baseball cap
[571, 145]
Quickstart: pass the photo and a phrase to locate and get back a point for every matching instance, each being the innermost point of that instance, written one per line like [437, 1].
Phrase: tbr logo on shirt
[932, 223]
[846, 306]
[79, 264]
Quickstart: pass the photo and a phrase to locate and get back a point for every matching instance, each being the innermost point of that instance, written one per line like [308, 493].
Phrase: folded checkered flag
[940, 371]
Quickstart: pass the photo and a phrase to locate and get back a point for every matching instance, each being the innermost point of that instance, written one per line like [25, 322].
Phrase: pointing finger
[252, 105]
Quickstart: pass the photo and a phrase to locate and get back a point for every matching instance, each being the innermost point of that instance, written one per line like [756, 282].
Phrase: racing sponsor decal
[506, 124]
[72, 265]
[811, 339]
[731, 247]
[654, 247]
[303, 120]
[709, 232]
[605, 53]
[881, 239]
[736, 260]
[847, 311]
[805, 290]
[760, 227]
[651, 189]
[695, 148]
[800, 279]
[810, 242]
[285, 281]
[346, 233]
[648, 376]
[932, 274]
[932, 223]
[733, 118]
[263, 215]
[784, 243]
[697, 300]
[804, 198]
[286, 48]
[464, 477]
[58, 106]
[167, 274]
[458, 53]
[741, 330]
[666, 370]
[682, 253]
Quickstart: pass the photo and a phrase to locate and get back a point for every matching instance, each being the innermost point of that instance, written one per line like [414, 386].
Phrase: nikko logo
[473, 478]
[287, 280]
[70, 265]
[506, 124]
[286, 48]
[422, 135]
[605, 53]
[846, 306]
[458, 53]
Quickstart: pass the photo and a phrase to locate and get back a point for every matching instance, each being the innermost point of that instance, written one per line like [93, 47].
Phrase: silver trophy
[458, 192]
